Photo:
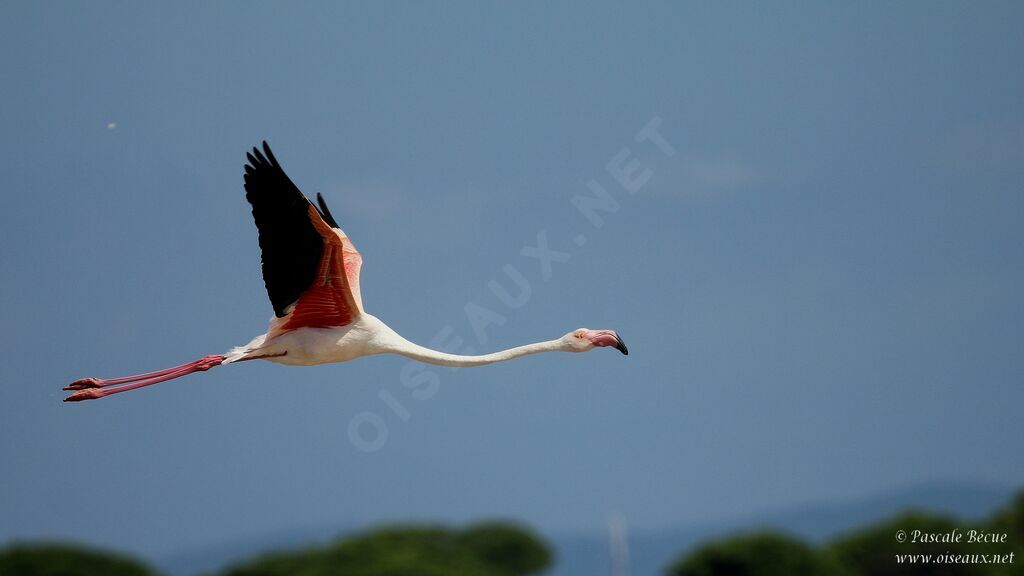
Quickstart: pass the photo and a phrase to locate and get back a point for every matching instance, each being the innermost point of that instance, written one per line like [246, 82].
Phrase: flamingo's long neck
[399, 345]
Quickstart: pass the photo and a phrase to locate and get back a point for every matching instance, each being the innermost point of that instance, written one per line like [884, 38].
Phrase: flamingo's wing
[310, 267]
[351, 261]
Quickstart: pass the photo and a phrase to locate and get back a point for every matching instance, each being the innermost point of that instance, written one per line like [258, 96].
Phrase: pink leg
[84, 383]
[91, 388]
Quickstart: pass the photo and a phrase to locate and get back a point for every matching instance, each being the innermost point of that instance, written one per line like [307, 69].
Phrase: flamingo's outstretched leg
[91, 388]
[84, 383]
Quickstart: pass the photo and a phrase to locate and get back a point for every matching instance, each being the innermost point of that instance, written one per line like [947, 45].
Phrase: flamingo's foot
[86, 394]
[207, 362]
[85, 383]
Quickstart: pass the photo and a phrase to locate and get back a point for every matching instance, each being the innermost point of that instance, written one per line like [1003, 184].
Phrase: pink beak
[604, 338]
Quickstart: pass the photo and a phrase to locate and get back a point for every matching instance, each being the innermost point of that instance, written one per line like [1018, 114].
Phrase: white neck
[385, 340]
[417, 352]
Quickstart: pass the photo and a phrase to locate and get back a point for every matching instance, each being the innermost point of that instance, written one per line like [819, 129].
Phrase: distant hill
[650, 550]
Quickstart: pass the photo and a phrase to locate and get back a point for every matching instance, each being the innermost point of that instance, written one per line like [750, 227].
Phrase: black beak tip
[621, 346]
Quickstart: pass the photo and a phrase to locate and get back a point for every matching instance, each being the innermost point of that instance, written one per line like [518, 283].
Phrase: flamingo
[311, 272]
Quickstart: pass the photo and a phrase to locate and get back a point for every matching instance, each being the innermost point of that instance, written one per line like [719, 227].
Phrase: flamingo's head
[583, 339]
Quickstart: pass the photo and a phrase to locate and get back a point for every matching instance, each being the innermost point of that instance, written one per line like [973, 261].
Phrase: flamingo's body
[311, 271]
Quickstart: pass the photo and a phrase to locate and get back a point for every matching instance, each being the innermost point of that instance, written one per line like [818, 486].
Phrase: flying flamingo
[311, 271]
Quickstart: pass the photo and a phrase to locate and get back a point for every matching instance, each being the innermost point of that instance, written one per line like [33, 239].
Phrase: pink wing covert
[333, 299]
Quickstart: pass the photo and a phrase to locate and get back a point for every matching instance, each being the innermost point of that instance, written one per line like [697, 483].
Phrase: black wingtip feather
[325, 212]
[270, 155]
[261, 157]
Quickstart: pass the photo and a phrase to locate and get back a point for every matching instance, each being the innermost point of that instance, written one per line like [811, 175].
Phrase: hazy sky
[820, 288]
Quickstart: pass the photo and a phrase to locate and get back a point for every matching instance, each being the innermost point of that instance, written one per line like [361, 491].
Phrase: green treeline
[59, 559]
[482, 550]
[486, 549]
[909, 544]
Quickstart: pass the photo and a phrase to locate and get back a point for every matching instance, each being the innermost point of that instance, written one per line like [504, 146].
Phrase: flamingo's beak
[608, 338]
[620, 345]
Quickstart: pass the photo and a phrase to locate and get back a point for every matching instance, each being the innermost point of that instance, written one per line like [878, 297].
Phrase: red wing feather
[333, 299]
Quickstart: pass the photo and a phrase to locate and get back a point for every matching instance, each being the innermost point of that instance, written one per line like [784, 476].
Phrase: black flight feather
[290, 245]
[325, 212]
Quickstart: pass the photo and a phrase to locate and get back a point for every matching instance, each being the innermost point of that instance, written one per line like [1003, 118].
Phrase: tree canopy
[59, 559]
[492, 549]
[758, 554]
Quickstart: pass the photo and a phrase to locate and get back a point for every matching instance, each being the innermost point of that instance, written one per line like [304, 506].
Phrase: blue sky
[820, 288]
